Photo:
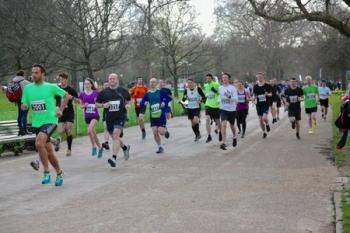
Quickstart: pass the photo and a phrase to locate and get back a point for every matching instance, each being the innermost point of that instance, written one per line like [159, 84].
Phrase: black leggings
[241, 119]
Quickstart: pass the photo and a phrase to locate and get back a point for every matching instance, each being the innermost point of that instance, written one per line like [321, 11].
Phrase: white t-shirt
[228, 98]
[324, 92]
[193, 98]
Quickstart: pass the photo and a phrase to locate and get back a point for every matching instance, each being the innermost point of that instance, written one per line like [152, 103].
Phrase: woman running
[88, 101]
[242, 107]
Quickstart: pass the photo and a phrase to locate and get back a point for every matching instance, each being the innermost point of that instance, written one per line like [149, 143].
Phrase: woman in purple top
[242, 107]
[87, 101]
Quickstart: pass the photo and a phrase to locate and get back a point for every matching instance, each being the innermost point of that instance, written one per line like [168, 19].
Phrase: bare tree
[91, 35]
[179, 38]
[334, 13]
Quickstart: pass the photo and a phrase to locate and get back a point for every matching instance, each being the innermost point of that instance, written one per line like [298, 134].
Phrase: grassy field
[339, 156]
[9, 112]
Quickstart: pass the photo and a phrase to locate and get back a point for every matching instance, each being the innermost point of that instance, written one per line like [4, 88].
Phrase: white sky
[205, 17]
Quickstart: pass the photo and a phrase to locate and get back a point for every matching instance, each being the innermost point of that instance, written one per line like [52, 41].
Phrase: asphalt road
[278, 184]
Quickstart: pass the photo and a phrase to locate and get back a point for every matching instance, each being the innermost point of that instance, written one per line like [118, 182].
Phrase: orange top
[137, 93]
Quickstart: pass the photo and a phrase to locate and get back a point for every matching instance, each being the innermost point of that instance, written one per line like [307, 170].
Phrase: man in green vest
[212, 107]
[310, 91]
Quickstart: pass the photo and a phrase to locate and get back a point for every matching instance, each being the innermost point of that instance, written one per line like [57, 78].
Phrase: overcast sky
[205, 9]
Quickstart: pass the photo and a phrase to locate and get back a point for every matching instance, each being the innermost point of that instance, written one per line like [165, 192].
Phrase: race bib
[293, 99]
[39, 106]
[311, 96]
[156, 111]
[90, 108]
[193, 102]
[114, 106]
[262, 98]
[225, 101]
[211, 96]
[241, 99]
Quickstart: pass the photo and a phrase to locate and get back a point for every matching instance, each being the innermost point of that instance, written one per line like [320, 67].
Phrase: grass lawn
[9, 112]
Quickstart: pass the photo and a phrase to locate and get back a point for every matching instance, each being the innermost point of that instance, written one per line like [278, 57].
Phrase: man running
[39, 97]
[212, 107]
[168, 113]
[261, 92]
[274, 100]
[137, 93]
[228, 102]
[310, 103]
[158, 101]
[194, 95]
[65, 123]
[293, 96]
[115, 100]
[324, 93]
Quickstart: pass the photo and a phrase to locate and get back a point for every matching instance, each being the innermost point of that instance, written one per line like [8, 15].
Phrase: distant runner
[137, 93]
[310, 103]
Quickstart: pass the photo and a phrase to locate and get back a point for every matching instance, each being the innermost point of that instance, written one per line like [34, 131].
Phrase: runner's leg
[223, 131]
[52, 158]
[40, 144]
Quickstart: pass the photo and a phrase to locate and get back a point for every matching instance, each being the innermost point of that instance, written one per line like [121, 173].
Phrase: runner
[274, 100]
[228, 102]
[324, 93]
[310, 95]
[261, 92]
[242, 107]
[194, 95]
[115, 100]
[137, 93]
[65, 123]
[158, 101]
[92, 116]
[40, 98]
[168, 112]
[293, 96]
[105, 145]
[212, 107]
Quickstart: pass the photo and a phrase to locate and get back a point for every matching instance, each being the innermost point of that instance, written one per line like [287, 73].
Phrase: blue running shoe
[94, 151]
[46, 178]
[59, 179]
[100, 153]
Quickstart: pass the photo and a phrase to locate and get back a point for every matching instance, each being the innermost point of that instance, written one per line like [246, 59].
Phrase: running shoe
[220, 136]
[197, 137]
[100, 153]
[268, 128]
[127, 152]
[105, 145]
[35, 164]
[160, 150]
[56, 144]
[278, 118]
[208, 139]
[243, 135]
[216, 131]
[113, 161]
[293, 125]
[274, 120]
[59, 179]
[234, 142]
[264, 135]
[298, 136]
[94, 151]
[46, 178]
[68, 153]
[311, 131]
[223, 146]
[143, 135]
[167, 134]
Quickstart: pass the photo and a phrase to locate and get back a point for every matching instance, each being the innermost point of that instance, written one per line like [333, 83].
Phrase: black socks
[69, 142]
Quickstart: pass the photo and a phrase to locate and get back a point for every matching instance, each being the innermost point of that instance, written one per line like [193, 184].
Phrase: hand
[162, 105]
[59, 113]
[128, 105]
[70, 97]
[85, 104]
[106, 105]
[300, 98]
[266, 93]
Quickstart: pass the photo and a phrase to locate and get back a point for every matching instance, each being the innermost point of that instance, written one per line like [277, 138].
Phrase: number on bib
[114, 106]
[156, 111]
[39, 106]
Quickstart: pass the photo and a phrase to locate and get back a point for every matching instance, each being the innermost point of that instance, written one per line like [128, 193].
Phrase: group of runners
[226, 103]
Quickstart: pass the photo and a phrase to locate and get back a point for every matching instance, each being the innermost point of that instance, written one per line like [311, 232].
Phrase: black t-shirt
[72, 92]
[167, 90]
[292, 95]
[259, 92]
[118, 99]
[275, 93]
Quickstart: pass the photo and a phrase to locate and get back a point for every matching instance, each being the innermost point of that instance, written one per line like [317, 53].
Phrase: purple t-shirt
[243, 103]
[90, 111]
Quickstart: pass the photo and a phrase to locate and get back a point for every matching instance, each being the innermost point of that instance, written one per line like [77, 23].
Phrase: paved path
[274, 185]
